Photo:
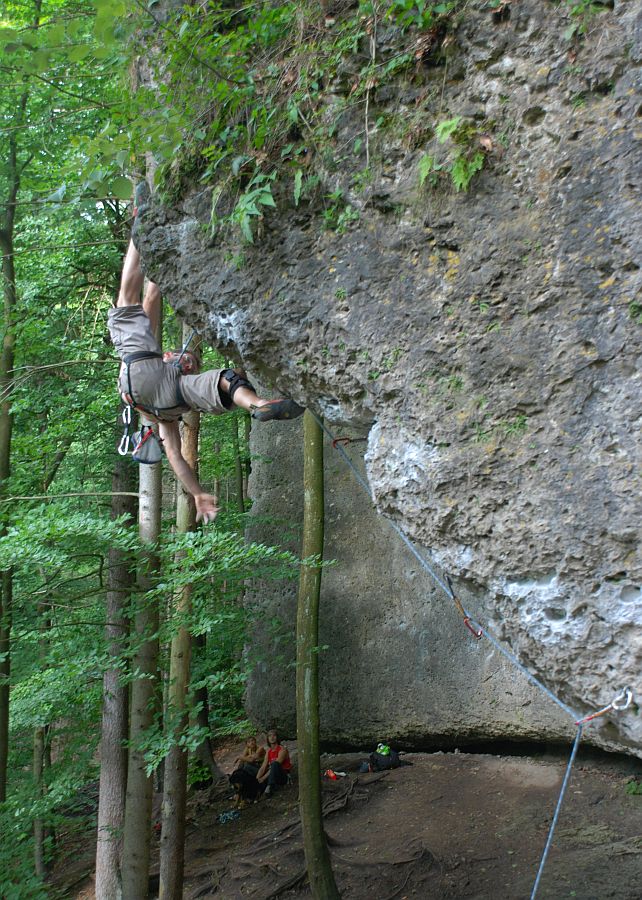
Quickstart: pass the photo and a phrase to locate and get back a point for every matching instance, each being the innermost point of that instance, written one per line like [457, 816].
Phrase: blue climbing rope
[556, 814]
[620, 702]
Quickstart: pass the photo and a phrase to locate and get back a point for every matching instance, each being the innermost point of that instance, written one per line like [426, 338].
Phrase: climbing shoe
[277, 409]
[142, 196]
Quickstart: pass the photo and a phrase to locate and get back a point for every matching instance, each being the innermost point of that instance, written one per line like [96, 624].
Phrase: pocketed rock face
[489, 340]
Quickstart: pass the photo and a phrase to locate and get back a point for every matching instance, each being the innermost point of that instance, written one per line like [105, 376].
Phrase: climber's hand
[206, 507]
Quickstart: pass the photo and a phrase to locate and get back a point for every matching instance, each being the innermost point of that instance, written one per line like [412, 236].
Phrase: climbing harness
[619, 703]
[155, 411]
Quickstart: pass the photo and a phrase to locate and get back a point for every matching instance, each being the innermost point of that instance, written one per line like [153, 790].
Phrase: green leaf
[267, 199]
[57, 195]
[446, 128]
[237, 163]
[214, 219]
[246, 228]
[120, 187]
[55, 35]
[80, 51]
[426, 166]
[8, 36]
[298, 181]
[41, 60]
[463, 170]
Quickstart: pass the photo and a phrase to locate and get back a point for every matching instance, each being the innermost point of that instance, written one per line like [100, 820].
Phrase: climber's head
[188, 364]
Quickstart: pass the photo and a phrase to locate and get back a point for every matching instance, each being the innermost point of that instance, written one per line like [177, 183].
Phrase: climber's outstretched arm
[206, 504]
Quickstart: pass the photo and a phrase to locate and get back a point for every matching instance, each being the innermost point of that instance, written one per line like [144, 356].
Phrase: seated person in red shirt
[276, 765]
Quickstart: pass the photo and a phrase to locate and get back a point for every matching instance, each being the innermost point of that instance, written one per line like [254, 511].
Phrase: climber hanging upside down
[165, 386]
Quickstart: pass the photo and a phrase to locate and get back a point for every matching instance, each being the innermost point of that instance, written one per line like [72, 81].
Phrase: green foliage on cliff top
[250, 98]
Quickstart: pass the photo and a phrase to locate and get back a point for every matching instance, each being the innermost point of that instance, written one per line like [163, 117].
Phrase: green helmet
[383, 749]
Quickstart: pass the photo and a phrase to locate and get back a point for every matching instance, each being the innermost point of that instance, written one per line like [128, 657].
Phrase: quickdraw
[123, 447]
[346, 441]
[462, 612]
[622, 701]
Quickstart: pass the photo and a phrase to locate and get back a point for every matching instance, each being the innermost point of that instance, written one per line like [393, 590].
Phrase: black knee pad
[237, 379]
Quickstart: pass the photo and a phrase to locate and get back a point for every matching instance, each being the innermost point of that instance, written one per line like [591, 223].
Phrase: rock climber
[165, 386]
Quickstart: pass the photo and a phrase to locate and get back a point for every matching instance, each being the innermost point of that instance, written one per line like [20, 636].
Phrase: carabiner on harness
[123, 447]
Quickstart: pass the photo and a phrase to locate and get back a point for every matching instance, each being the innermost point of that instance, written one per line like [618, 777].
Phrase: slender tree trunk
[13, 169]
[144, 693]
[217, 484]
[113, 752]
[6, 586]
[38, 824]
[172, 849]
[238, 467]
[39, 738]
[50, 831]
[144, 690]
[6, 429]
[204, 751]
[317, 857]
[247, 459]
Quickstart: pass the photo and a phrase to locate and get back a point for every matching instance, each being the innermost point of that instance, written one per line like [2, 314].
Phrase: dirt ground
[447, 825]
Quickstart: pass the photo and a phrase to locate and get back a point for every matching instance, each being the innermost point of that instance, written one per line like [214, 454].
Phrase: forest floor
[448, 825]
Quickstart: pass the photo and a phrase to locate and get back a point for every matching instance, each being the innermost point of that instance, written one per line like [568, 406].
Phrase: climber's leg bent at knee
[131, 285]
[234, 384]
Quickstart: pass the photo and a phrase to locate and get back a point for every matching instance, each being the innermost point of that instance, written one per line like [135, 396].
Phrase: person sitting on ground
[166, 386]
[251, 758]
[276, 766]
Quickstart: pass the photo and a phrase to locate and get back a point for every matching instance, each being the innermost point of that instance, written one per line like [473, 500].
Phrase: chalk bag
[147, 448]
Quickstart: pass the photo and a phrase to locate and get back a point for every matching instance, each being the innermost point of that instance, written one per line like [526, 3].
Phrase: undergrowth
[245, 98]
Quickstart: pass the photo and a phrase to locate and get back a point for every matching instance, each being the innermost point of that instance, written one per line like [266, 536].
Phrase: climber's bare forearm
[206, 504]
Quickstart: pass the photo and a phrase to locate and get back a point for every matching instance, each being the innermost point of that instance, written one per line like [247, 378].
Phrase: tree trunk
[138, 802]
[217, 484]
[238, 467]
[113, 752]
[204, 751]
[317, 857]
[13, 169]
[38, 824]
[144, 691]
[172, 849]
[50, 830]
[6, 586]
[39, 739]
[6, 428]
[247, 459]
